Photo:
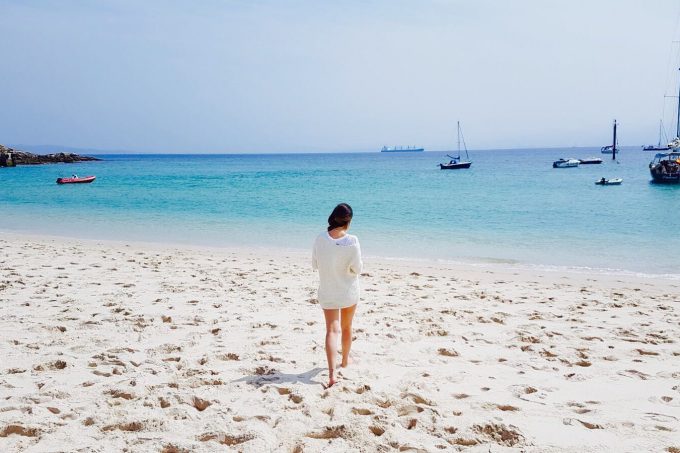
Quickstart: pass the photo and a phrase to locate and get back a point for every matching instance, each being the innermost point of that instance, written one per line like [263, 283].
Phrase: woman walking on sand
[337, 256]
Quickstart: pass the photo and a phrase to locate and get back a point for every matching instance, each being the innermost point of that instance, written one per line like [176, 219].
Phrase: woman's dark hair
[340, 217]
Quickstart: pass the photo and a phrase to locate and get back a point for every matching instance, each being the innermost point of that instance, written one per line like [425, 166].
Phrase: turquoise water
[511, 206]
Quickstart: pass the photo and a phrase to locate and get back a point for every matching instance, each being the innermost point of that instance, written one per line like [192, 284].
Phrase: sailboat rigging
[665, 167]
[662, 139]
[456, 163]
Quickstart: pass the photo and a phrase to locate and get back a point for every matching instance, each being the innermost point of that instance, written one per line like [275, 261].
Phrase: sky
[242, 76]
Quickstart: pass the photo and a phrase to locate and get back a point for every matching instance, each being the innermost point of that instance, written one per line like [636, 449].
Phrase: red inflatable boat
[77, 180]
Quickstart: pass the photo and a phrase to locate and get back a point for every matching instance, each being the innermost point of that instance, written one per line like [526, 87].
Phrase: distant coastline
[10, 157]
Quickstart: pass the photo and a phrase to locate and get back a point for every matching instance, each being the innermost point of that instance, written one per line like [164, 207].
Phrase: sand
[110, 346]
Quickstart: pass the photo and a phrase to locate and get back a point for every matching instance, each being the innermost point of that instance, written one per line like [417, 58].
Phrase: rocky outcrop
[12, 157]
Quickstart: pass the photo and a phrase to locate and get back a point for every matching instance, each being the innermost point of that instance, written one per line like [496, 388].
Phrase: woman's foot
[331, 379]
[346, 362]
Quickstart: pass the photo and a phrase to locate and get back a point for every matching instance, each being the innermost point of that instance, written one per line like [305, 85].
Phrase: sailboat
[456, 163]
[659, 147]
[665, 167]
[611, 149]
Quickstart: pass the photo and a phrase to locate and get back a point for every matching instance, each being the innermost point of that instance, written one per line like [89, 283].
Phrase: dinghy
[609, 182]
[76, 180]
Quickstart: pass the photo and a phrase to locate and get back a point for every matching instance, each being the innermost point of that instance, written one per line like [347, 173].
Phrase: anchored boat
[609, 182]
[456, 163]
[665, 168]
[659, 146]
[76, 180]
[611, 149]
[566, 163]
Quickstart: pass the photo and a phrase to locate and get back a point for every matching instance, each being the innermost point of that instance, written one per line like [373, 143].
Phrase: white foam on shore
[479, 262]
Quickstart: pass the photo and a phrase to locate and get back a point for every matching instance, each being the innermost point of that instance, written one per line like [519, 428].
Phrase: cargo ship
[401, 149]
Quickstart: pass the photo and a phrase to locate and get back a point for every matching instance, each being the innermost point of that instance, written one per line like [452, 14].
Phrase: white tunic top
[339, 264]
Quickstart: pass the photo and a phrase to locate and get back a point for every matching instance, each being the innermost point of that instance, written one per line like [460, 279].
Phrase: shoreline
[481, 263]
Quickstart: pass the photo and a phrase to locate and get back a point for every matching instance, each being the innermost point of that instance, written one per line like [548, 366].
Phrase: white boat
[566, 163]
[609, 182]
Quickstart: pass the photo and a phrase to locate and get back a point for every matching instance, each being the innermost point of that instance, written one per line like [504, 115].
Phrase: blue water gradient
[510, 206]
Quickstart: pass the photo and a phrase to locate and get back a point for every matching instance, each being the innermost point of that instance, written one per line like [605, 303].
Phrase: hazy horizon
[297, 76]
[48, 149]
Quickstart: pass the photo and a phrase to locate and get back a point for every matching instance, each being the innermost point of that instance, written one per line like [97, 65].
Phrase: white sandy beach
[141, 348]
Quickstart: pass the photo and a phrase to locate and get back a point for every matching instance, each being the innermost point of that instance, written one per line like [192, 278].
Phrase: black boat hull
[664, 178]
[455, 166]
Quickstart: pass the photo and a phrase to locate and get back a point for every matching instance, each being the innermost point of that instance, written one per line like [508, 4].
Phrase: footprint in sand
[409, 409]
[377, 430]
[226, 439]
[634, 374]
[329, 433]
[20, 431]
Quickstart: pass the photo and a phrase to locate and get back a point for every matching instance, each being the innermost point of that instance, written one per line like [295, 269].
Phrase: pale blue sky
[286, 76]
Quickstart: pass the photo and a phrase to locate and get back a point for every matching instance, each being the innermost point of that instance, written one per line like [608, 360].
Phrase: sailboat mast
[677, 127]
[458, 124]
[614, 143]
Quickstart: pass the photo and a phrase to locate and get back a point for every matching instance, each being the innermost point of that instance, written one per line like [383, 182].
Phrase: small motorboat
[566, 163]
[76, 180]
[590, 160]
[609, 182]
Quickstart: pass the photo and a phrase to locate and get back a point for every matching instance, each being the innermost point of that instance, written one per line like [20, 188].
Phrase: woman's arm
[356, 265]
[315, 263]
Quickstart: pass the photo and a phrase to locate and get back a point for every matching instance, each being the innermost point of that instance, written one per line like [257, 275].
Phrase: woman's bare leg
[332, 331]
[346, 316]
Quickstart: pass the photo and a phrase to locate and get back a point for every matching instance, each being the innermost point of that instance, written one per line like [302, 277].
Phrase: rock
[10, 157]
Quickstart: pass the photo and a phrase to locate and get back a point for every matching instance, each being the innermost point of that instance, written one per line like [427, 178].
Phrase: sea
[510, 208]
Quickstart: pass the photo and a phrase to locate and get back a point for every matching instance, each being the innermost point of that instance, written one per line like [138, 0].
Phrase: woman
[337, 256]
